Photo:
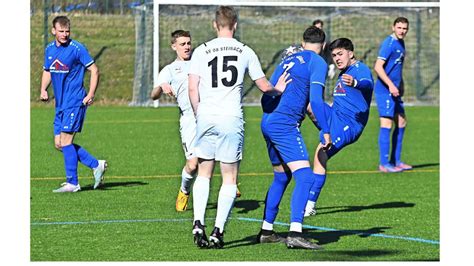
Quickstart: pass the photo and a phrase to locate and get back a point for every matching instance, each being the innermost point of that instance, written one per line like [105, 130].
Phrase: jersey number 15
[225, 67]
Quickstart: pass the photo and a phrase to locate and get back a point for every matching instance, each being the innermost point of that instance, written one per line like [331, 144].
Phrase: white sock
[267, 226]
[296, 227]
[186, 181]
[225, 202]
[200, 197]
[309, 205]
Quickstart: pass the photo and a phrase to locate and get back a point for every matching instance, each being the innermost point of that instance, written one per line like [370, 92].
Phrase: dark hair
[179, 33]
[314, 35]
[343, 43]
[400, 19]
[318, 21]
[62, 20]
[226, 16]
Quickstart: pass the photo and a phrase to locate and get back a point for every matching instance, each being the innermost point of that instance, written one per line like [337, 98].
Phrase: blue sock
[70, 164]
[274, 195]
[384, 145]
[317, 186]
[304, 179]
[86, 158]
[397, 139]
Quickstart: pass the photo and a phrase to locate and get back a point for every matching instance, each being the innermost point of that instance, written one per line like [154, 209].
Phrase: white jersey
[221, 64]
[176, 74]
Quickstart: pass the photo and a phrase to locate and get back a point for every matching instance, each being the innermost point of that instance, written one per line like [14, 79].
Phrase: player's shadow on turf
[323, 238]
[111, 185]
[425, 165]
[245, 206]
[386, 205]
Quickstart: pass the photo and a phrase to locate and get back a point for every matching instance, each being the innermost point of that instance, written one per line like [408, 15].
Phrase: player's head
[181, 43]
[318, 23]
[400, 27]
[342, 52]
[313, 39]
[226, 18]
[61, 29]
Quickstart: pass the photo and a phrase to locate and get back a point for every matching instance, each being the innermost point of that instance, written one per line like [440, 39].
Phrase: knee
[191, 167]
[58, 146]
[386, 123]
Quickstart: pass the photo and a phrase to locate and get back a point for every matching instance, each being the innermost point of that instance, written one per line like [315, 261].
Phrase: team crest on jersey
[58, 67]
[339, 90]
[178, 69]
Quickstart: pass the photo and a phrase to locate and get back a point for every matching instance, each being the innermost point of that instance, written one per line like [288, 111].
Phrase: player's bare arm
[156, 93]
[193, 85]
[45, 81]
[265, 86]
[384, 77]
[94, 81]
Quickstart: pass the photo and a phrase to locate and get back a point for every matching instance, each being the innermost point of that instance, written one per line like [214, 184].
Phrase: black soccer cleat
[269, 236]
[200, 238]
[296, 240]
[216, 239]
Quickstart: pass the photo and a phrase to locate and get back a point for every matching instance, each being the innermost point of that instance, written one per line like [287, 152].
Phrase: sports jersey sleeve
[318, 70]
[84, 57]
[45, 67]
[385, 50]
[164, 76]
[255, 68]
[364, 79]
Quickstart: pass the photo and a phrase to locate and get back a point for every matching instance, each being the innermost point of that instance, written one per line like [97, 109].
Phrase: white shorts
[187, 130]
[220, 138]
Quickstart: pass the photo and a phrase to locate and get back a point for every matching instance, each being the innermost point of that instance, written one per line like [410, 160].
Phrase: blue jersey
[307, 70]
[67, 64]
[353, 103]
[392, 51]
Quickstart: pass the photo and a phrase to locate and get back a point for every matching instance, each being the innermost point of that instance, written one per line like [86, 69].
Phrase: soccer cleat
[388, 168]
[67, 187]
[182, 201]
[99, 173]
[296, 240]
[404, 166]
[269, 236]
[216, 239]
[310, 212]
[238, 194]
[200, 238]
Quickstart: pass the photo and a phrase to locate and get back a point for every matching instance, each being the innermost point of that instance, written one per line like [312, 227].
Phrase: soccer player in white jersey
[173, 80]
[216, 76]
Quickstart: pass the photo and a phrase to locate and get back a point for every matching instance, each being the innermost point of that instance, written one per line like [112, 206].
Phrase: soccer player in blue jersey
[388, 95]
[65, 62]
[286, 147]
[345, 120]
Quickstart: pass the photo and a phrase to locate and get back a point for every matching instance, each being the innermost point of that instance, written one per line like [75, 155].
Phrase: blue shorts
[69, 120]
[284, 140]
[342, 132]
[388, 106]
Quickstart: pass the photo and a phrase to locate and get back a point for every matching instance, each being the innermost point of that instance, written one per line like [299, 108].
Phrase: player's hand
[331, 71]
[327, 142]
[88, 100]
[394, 91]
[166, 87]
[282, 82]
[348, 80]
[44, 96]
